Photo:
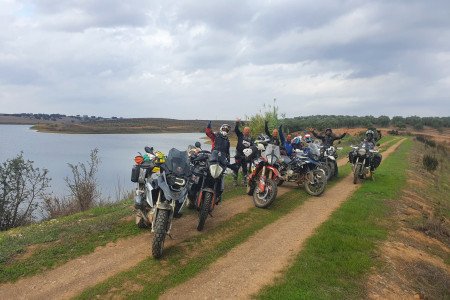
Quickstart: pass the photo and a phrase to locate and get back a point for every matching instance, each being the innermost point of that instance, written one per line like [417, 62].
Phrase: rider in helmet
[370, 143]
[245, 141]
[221, 143]
[274, 137]
[329, 137]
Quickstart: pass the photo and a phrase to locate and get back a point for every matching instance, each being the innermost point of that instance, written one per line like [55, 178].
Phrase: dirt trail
[255, 263]
[76, 275]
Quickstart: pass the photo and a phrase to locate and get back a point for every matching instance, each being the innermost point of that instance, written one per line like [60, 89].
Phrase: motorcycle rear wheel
[266, 198]
[204, 210]
[317, 187]
[161, 226]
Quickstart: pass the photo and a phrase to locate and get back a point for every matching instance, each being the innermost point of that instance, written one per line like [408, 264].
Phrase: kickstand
[210, 213]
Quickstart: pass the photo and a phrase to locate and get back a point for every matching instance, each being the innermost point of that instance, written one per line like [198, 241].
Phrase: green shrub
[430, 163]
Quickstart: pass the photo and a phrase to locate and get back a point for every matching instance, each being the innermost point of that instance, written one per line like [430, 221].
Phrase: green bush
[430, 163]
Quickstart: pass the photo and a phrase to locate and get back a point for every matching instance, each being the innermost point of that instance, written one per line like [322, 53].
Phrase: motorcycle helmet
[246, 143]
[307, 138]
[369, 135]
[248, 152]
[297, 140]
[261, 147]
[224, 129]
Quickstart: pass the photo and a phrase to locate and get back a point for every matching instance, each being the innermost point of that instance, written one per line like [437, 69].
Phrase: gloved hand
[209, 125]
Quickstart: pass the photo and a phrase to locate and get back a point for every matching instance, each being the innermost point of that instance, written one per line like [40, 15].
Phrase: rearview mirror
[339, 142]
[198, 145]
[378, 144]
[148, 149]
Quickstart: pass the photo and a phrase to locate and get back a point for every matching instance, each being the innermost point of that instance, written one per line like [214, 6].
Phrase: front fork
[160, 205]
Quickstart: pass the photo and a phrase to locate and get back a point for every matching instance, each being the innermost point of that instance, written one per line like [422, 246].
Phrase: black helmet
[370, 134]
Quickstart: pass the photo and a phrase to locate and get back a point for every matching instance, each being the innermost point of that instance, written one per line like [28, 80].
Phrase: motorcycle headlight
[215, 170]
[362, 151]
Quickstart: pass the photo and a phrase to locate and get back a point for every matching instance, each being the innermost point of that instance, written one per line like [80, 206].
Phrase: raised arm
[317, 136]
[237, 130]
[280, 131]
[266, 128]
[209, 132]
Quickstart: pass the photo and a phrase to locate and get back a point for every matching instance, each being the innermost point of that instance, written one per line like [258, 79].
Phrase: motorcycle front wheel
[161, 226]
[265, 199]
[315, 182]
[205, 206]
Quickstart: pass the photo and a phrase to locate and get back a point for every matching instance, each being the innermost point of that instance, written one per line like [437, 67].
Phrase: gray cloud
[203, 59]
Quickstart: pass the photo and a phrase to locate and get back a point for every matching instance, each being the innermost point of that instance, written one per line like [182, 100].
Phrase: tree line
[336, 121]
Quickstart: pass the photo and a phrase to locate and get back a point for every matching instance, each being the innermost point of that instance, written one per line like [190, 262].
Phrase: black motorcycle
[209, 170]
[360, 158]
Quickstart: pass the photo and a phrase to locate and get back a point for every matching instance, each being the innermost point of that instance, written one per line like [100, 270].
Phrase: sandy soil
[257, 262]
[76, 275]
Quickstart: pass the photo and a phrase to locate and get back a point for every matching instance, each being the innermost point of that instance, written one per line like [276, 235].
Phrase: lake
[117, 151]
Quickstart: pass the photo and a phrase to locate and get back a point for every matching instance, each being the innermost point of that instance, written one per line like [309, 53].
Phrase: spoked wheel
[161, 227]
[315, 182]
[204, 210]
[264, 199]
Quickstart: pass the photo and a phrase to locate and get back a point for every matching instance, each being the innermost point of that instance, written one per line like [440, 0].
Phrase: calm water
[53, 151]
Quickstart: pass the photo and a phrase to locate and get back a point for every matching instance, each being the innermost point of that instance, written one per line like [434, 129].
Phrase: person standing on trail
[244, 141]
[221, 143]
[274, 138]
[329, 137]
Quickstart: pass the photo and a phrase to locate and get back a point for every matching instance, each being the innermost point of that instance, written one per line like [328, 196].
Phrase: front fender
[275, 171]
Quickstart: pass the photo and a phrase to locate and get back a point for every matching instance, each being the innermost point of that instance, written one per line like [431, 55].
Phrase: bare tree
[21, 187]
[83, 185]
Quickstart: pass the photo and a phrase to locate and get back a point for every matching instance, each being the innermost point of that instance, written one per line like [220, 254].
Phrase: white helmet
[224, 129]
[261, 147]
[247, 152]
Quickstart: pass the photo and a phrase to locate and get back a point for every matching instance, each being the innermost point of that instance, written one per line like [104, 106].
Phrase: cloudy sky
[223, 58]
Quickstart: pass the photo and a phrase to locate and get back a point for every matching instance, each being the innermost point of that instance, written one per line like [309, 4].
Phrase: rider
[329, 137]
[286, 143]
[274, 138]
[221, 143]
[370, 143]
[244, 142]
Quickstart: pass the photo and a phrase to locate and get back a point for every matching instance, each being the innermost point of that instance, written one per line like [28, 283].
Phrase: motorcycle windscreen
[177, 163]
[272, 153]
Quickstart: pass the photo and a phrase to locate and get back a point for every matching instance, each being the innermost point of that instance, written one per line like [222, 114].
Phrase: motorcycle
[305, 171]
[169, 190]
[361, 158]
[209, 171]
[262, 182]
[328, 156]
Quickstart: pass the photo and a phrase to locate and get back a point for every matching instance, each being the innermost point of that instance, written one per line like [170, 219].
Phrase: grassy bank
[335, 261]
[26, 251]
